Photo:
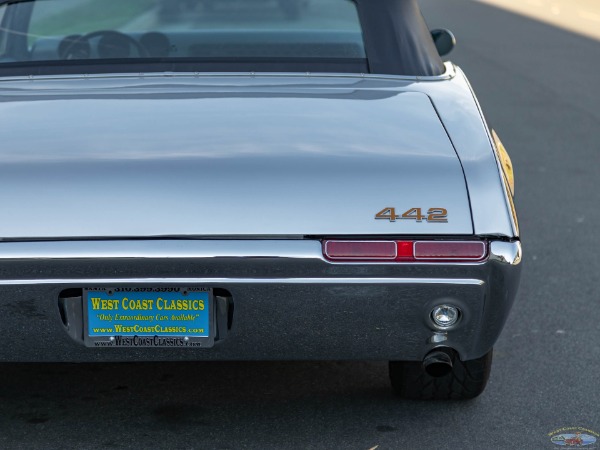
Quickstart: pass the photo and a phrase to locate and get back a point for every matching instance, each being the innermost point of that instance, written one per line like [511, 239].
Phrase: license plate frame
[149, 317]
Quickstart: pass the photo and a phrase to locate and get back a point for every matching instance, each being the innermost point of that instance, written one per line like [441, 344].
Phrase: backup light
[445, 316]
[405, 251]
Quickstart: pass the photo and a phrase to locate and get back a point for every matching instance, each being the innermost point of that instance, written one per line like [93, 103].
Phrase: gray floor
[539, 87]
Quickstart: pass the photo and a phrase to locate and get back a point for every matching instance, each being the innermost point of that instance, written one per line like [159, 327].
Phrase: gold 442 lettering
[433, 215]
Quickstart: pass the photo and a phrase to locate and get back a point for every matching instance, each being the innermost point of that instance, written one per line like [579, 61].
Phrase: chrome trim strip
[506, 252]
[161, 249]
[207, 281]
[449, 73]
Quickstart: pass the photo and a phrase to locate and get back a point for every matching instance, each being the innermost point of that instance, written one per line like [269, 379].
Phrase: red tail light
[361, 250]
[449, 250]
[405, 251]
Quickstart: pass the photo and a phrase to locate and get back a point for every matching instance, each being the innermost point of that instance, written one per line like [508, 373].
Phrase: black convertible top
[397, 38]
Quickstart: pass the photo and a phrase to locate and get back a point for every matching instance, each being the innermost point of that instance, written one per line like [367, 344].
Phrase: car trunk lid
[248, 162]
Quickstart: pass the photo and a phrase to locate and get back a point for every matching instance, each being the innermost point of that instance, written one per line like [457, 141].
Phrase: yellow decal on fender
[505, 162]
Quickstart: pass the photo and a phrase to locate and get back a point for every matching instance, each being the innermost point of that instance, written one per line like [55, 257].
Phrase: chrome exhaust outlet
[438, 362]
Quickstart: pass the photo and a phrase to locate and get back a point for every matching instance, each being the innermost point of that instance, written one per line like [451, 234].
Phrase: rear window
[63, 33]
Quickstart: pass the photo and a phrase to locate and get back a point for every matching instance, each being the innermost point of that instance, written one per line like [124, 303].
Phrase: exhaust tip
[438, 363]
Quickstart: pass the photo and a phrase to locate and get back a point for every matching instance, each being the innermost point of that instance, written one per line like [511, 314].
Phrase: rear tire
[466, 380]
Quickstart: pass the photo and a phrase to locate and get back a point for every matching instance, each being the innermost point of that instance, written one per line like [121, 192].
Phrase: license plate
[148, 317]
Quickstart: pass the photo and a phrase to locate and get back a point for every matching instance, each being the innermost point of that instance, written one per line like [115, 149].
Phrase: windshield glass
[63, 32]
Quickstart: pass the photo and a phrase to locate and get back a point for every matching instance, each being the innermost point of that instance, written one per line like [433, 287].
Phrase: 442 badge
[574, 437]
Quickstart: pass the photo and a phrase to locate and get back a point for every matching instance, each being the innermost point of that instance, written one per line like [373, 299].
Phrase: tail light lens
[405, 251]
[448, 250]
[361, 250]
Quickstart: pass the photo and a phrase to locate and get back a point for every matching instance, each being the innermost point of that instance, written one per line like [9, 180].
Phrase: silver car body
[232, 182]
[228, 191]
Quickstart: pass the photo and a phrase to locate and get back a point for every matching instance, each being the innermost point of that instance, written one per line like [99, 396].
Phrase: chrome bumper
[288, 302]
